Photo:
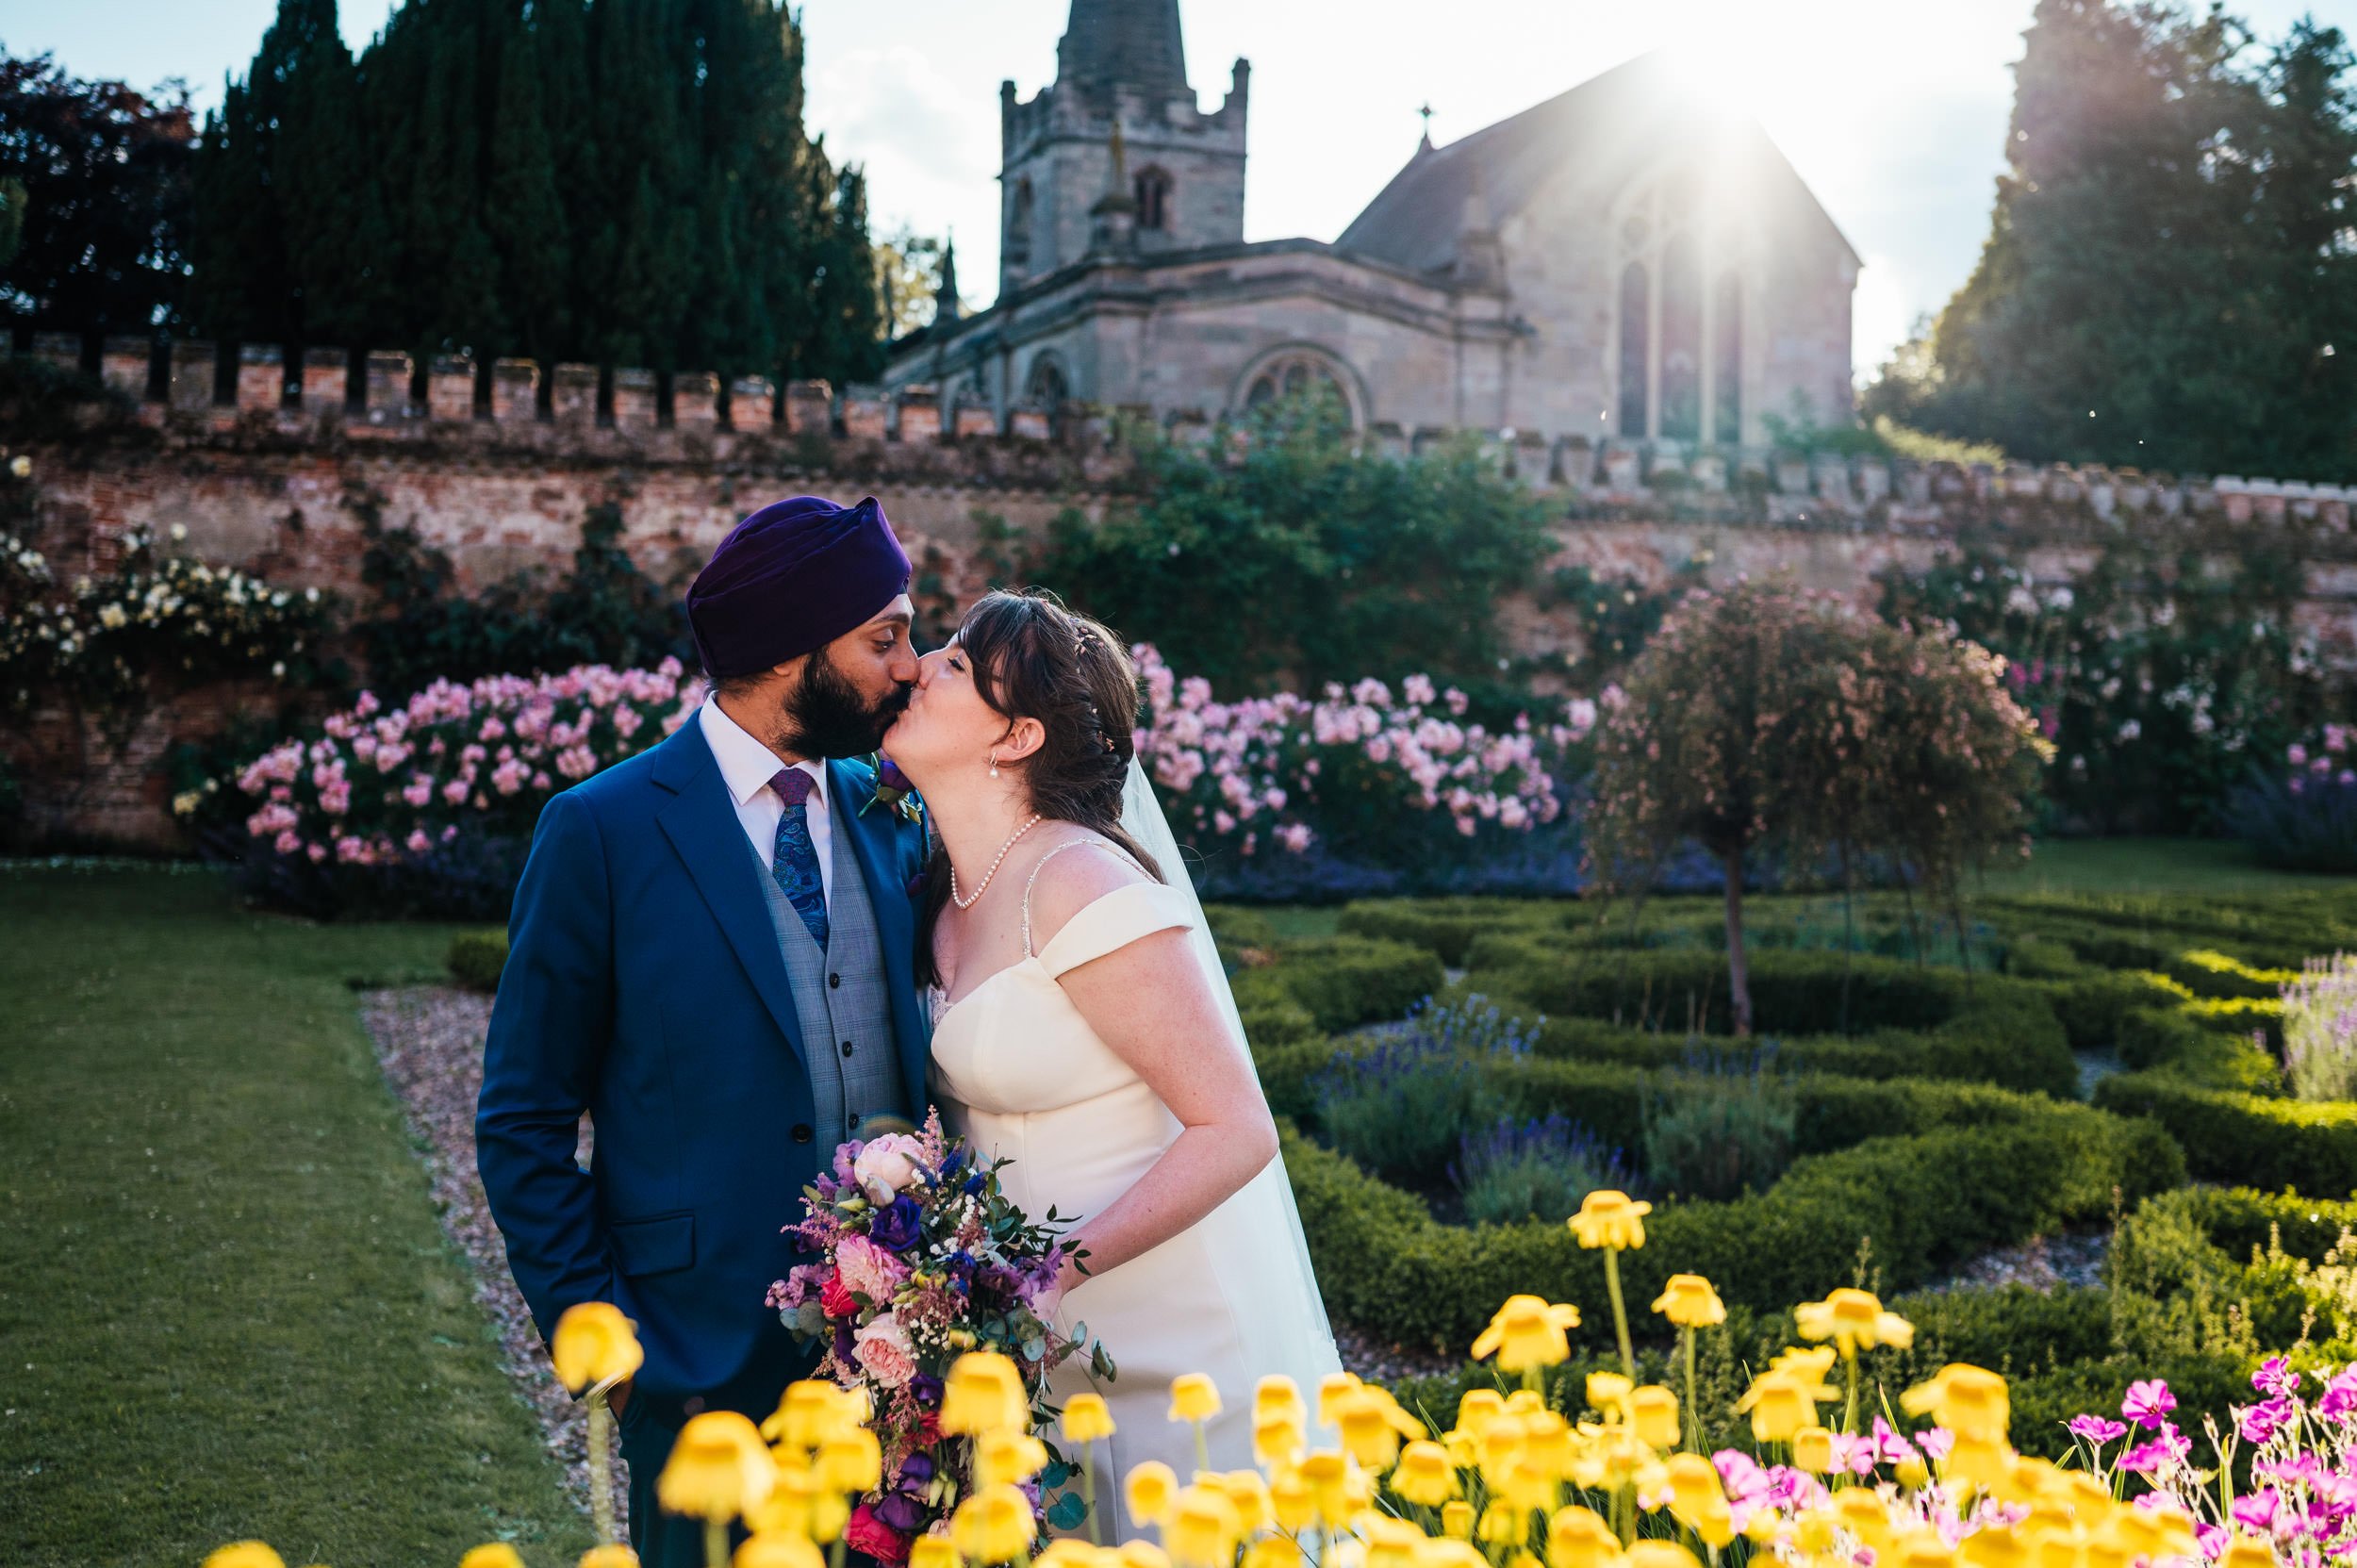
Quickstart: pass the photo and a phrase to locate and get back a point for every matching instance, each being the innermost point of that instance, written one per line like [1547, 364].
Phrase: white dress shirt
[747, 765]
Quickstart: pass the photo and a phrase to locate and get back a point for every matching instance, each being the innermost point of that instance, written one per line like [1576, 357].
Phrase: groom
[710, 954]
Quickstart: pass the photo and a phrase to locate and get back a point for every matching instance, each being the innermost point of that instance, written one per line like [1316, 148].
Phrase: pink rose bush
[1364, 762]
[406, 788]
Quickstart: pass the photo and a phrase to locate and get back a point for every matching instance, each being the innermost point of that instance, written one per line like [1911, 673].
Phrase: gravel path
[429, 1041]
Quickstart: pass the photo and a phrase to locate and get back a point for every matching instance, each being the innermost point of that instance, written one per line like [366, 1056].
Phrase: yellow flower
[1371, 1424]
[1969, 1401]
[1328, 1475]
[1248, 1491]
[1086, 1418]
[1503, 1525]
[1068, 1551]
[2244, 1552]
[773, 1549]
[992, 1525]
[1714, 1521]
[1809, 1365]
[1984, 1461]
[1579, 1538]
[496, 1554]
[1693, 1482]
[1277, 1441]
[1854, 1320]
[1425, 1474]
[1445, 1553]
[614, 1555]
[932, 1551]
[1780, 1405]
[1192, 1397]
[1204, 1529]
[1009, 1457]
[1864, 1514]
[1330, 1388]
[1608, 1218]
[1271, 1551]
[1478, 1409]
[1456, 1520]
[1994, 1548]
[719, 1468]
[1689, 1302]
[1293, 1501]
[813, 1410]
[1812, 1450]
[1276, 1397]
[1609, 1392]
[1923, 1549]
[983, 1391]
[1390, 1541]
[1527, 1334]
[243, 1554]
[1140, 1554]
[1654, 1412]
[852, 1462]
[1661, 1554]
[594, 1343]
[1150, 1489]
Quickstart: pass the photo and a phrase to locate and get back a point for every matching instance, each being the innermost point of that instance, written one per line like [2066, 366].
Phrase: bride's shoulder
[1077, 871]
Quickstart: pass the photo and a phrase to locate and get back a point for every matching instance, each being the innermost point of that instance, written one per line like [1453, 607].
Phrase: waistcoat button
[846, 1048]
[835, 983]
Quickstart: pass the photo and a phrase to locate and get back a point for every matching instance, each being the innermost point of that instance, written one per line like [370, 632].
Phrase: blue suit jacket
[644, 984]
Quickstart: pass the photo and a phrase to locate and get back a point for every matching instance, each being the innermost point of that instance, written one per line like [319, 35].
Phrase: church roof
[1132, 42]
[1624, 117]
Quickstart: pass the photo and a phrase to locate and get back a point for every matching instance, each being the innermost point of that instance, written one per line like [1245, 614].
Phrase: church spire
[1135, 42]
[946, 306]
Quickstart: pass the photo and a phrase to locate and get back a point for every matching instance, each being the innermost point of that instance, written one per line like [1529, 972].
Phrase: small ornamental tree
[1765, 717]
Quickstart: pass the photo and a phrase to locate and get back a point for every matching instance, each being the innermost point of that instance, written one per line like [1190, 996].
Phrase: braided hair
[1033, 658]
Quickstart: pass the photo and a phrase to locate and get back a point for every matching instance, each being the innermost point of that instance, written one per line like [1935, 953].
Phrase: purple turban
[791, 579]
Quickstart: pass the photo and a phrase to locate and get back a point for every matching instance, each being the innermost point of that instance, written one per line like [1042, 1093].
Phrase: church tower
[1119, 113]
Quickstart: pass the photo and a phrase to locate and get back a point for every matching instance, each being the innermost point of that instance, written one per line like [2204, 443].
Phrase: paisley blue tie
[795, 863]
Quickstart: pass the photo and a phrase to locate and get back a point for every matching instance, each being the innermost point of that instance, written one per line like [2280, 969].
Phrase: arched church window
[1046, 387]
[1151, 188]
[1727, 378]
[1298, 372]
[1635, 349]
[1682, 340]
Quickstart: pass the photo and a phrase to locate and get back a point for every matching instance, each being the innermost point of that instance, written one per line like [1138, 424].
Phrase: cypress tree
[525, 216]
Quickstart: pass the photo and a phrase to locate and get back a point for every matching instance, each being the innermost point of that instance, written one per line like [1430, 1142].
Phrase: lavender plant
[1401, 1106]
[1722, 1122]
[2320, 1030]
[1517, 1170]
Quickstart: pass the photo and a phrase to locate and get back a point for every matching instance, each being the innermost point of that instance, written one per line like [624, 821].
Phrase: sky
[1894, 111]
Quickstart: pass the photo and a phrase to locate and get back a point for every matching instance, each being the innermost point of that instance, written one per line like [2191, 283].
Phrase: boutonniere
[894, 790]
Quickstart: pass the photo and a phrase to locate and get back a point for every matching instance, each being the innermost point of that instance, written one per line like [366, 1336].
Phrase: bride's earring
[994, 764]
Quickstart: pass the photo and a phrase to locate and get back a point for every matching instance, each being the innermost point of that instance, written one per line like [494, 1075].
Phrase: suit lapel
[700, 822]
[872, 836]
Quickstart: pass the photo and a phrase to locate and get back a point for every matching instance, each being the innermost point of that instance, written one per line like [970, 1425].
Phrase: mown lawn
[227, 1309]
[2148, 866]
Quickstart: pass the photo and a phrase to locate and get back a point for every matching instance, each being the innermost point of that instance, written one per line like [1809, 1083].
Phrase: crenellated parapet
[196, 392]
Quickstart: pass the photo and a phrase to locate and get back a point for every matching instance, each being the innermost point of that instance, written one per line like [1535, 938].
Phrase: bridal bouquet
[922, 1259]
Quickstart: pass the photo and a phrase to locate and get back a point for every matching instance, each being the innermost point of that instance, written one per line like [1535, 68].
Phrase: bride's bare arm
[1151, 1003]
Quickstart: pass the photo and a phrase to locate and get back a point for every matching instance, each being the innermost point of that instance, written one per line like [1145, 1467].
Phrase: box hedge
[2257, 1140]
[1923, 1202]
[476, 958]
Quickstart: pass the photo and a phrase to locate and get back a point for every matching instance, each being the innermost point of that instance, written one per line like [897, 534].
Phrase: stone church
[1617, 263]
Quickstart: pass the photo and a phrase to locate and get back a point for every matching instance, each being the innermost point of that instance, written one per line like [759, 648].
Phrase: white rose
[886, 1167]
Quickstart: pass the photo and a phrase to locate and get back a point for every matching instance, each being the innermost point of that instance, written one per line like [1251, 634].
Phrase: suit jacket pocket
[657, 1245]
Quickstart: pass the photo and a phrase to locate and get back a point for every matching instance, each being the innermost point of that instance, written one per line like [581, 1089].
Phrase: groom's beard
[826, 715]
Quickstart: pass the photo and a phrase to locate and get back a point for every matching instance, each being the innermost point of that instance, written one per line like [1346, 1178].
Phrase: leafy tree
[2168, 277]
[1307, 558]
[1762, 718]
[908, 275]
[95, 177]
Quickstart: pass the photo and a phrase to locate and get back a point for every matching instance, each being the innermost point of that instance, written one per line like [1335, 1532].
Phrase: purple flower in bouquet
[902, 1504]
[2096, 1429]
[897, 1224]
[2148, 1403]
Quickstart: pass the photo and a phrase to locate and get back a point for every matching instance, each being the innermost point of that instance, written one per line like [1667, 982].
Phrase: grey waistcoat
[840, 999]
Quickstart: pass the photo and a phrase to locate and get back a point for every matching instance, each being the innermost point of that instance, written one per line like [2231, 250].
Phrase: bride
[1083, 1029]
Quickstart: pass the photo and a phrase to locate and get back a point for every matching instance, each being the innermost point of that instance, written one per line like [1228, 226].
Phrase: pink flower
[887, 1167]
[2096, 1429]
[870, 1270]
[883, 1351]
[418, 843]
[2147, 1402]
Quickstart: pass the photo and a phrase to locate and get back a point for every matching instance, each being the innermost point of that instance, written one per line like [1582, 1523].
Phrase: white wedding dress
[1019, 1073]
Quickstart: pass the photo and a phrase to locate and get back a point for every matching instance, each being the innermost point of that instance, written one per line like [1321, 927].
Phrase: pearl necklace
[969, 904]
